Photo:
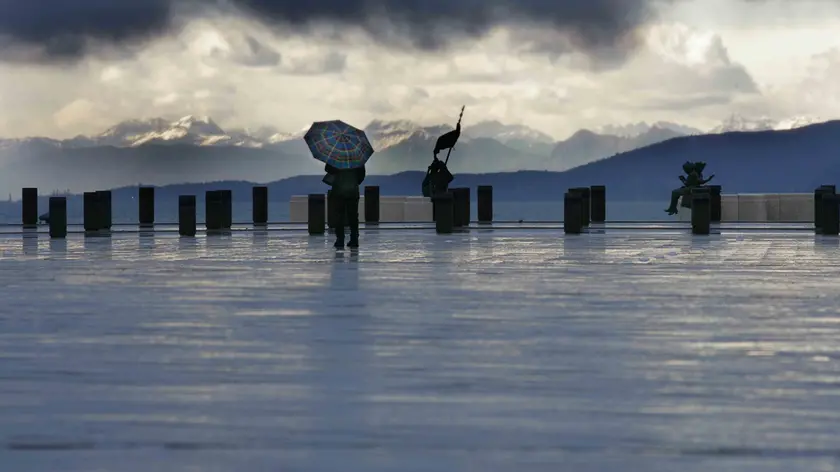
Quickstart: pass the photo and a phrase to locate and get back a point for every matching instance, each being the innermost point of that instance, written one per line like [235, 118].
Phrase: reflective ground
[493, 350]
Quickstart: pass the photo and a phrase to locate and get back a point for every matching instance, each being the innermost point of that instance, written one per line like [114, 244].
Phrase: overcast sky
[693, 62]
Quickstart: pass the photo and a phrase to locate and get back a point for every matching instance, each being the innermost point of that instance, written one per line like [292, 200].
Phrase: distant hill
[585, 146]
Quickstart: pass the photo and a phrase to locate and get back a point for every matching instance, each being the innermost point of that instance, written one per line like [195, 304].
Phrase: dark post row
[97, 211]
[451, 210]
[583, 206]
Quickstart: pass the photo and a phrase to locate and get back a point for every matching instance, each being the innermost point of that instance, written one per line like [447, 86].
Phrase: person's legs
[352, 212]
[340, 211]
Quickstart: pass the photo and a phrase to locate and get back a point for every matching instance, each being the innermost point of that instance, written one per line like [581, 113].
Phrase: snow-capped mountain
[520, 137]
[194, 130]
[737, 122]
[384, 134]
[634, 130]
[202, 131]
[506, 133]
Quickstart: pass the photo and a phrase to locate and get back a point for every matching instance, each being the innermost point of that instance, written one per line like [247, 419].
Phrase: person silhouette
[345, 196]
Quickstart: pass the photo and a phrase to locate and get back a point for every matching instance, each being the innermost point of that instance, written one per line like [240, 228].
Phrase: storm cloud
[63, 30]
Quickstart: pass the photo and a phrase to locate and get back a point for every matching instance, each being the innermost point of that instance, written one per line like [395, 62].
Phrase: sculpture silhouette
[448, 140]
[438, 176]
[693, 179]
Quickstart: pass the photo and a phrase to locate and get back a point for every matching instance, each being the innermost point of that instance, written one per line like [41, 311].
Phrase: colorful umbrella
[338, 144]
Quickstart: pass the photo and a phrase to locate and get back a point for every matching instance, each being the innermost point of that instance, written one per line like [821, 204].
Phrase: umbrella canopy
[338, 144]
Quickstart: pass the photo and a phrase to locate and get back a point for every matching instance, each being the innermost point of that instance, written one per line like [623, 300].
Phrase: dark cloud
[59, 29]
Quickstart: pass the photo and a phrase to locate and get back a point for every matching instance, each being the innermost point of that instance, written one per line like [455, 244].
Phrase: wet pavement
[496, 349]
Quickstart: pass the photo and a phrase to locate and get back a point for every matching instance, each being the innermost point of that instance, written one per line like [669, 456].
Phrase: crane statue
[438, 176]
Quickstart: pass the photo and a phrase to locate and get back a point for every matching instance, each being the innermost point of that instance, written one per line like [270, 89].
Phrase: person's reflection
[343, 377]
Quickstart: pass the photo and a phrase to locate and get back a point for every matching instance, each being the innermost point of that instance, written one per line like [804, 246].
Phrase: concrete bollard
[372, 204]
[146, 206]
[29, 210]
[585, 211]
[213, 209]
[103, 198]
[460, 207]
[572, 209]
[830, 214]
[598, 203]
[701, 211]
[58, 217]
[484, 195]
[584, 207]
[715, 209]
[445, 212]
[467, 206]
[186, 215]
[91, 212]
[259, 207]
[227, 208]
[316, 213]
[818, 212]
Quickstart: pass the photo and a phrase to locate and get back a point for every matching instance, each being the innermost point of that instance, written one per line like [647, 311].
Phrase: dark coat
[346, 182]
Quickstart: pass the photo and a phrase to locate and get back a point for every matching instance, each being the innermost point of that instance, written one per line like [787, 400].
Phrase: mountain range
[196, 149]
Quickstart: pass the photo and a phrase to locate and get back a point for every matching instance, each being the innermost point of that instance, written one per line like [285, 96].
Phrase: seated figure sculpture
[692, 179]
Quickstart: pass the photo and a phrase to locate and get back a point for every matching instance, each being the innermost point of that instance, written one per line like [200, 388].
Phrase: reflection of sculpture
[692, 179]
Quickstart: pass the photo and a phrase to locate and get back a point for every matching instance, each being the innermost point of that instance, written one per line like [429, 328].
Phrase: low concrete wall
[767, 207]
[762, 208]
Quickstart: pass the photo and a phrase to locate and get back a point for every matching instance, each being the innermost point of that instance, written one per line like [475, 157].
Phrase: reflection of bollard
[818, 212]
[146, 195]
[103, 197]
[701, 211]
[372, 204]
[186, 215]
[714, 203]
[484, 195]
[444, 206]
[598, 203]
[58, 217]
[91, 212]
[260, 205]
[830, 214]
[572, 209]
[213, 209]
[316, 213]
[29, 212]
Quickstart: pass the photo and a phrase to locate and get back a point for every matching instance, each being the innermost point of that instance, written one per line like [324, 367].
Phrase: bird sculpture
[448, 140]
